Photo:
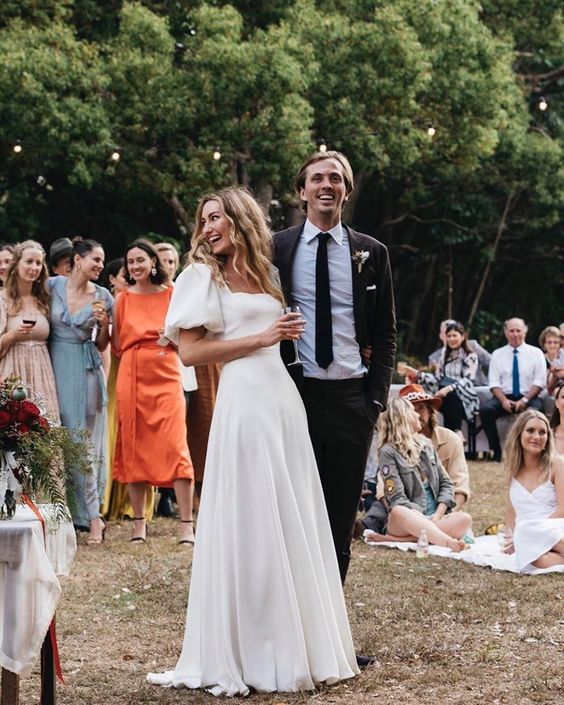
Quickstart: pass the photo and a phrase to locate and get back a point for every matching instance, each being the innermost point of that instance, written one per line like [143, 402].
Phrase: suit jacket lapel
[357, 281]
[285, 259]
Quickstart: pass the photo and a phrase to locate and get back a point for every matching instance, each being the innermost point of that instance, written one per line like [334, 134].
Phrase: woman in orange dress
[151, 446]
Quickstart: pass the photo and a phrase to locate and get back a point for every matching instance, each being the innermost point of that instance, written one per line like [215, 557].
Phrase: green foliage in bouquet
[42, 456]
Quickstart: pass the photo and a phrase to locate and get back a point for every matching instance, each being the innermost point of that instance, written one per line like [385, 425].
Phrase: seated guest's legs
[404, 522]
[453, 411]
[536, 403]
[490, 411]
[547, 560]
[455, 524]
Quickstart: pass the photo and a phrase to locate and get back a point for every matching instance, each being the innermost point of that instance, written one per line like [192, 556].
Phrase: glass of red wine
[29, 318]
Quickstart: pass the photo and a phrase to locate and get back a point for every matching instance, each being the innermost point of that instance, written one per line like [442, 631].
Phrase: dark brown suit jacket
[373, 302]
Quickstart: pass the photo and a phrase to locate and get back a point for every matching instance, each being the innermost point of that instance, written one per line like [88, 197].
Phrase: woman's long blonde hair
[39, 286]
[395, 429]
[514, 456]
[250, 236]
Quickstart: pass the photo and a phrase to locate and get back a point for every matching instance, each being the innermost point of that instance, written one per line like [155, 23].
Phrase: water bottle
[422, 545]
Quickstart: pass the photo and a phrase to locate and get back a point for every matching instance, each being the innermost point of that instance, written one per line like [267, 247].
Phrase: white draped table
[29, 588]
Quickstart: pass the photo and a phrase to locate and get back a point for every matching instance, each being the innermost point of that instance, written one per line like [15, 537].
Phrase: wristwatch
[525, 401]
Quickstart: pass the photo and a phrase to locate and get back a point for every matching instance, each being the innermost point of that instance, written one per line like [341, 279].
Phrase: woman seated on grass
[535, 511]
[417, 490]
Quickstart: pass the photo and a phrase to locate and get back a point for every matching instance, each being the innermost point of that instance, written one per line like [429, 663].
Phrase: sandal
[186, 541]
[138, 539]
[95, 540]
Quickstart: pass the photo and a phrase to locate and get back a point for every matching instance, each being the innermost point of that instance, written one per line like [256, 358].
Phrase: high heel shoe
[97, 540]
[186, 541]
[139, 539]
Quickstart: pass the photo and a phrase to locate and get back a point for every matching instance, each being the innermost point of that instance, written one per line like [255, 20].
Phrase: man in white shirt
[517, 375]
[341, 281]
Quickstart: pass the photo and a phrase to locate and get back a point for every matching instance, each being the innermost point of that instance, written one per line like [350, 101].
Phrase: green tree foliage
[469, 212]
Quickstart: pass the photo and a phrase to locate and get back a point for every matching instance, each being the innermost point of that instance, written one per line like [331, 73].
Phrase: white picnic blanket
[485, 552]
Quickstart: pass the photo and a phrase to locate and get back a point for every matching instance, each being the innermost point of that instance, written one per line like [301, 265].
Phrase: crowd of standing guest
[90, 353]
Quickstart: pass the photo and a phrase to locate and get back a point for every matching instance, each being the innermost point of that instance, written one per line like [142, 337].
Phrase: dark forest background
[448, 109]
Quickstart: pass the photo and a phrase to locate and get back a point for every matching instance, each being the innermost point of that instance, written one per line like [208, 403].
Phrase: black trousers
[453, 411]
[341, 424]
[492, 410]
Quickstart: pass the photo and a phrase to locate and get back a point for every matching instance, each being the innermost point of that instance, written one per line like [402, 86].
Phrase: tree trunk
[493, 251]
[181, 214]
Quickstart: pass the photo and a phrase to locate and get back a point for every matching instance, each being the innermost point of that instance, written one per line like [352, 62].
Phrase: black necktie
[323, 323]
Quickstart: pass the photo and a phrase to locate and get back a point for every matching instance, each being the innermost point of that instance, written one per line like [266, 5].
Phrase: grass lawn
[443, 631]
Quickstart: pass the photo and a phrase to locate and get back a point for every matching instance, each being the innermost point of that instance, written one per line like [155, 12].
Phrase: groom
[341, 281]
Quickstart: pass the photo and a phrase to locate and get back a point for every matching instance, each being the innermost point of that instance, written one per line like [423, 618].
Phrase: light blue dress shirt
[347, 362]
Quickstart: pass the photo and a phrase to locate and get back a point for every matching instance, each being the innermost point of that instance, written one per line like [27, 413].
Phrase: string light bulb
[217, 154]
[115, 156]
[17, 147]
[543, 105]
[322, 146]
[431, 131]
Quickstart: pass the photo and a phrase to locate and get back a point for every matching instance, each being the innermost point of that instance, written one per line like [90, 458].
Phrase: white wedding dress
[266, 609]
[535, 534]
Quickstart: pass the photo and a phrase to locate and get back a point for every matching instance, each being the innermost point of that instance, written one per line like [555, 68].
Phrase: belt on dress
[92, 361]
[130, 410]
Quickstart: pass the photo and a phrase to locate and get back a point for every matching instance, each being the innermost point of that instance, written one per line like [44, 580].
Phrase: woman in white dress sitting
[535, 511]
[266, 609]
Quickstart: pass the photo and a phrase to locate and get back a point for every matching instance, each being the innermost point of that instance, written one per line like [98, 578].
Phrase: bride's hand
[290, 326]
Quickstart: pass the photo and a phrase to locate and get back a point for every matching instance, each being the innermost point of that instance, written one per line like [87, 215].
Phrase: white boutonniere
[359, 258]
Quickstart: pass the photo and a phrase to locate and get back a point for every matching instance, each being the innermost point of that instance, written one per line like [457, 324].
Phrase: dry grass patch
[443, 631]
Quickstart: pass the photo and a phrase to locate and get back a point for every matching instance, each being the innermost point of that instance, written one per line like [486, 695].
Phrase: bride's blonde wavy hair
[250, 236]
[395, 429]
[514, 456]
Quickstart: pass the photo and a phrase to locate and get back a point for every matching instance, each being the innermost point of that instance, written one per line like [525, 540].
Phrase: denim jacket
[403, 484]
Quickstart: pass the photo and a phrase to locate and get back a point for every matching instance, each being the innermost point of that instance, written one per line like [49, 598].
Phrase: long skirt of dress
[266, 607]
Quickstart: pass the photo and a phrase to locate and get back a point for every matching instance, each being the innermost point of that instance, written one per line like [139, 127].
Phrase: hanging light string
[217, 153]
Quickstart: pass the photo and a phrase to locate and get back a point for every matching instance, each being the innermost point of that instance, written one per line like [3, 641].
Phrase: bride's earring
[153, 272]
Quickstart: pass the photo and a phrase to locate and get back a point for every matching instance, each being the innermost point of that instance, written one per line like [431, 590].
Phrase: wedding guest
[418, 492]
[517, 376]
[116, 498]
[535, 511]
[483, 355]
[6, 256]
[255, 581]
[151, 446]
[24, 325]
[60, 257]
[80, 312]
[549, 340]
[557, 418]
[169, 259]
[453, 381]
[448, 445]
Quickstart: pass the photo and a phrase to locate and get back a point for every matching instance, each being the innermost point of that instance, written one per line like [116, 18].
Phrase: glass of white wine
[297, 360]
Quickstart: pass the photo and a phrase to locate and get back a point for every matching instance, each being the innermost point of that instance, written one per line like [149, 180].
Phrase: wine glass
[97, 305]
[297, 361]
[29, 318]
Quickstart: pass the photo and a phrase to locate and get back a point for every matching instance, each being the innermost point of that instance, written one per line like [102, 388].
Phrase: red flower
[24, 428]
[27, 412]
[44, 423]
[5, 419]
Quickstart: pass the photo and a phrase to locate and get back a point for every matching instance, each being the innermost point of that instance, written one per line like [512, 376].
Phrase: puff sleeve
[195, 302]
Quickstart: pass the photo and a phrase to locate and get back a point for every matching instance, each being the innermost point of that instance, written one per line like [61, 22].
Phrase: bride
[266, 609]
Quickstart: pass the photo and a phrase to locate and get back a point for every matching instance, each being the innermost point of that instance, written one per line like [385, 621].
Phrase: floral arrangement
[36, 454]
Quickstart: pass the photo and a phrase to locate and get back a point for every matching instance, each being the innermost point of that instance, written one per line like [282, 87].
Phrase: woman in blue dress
[79, 332]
